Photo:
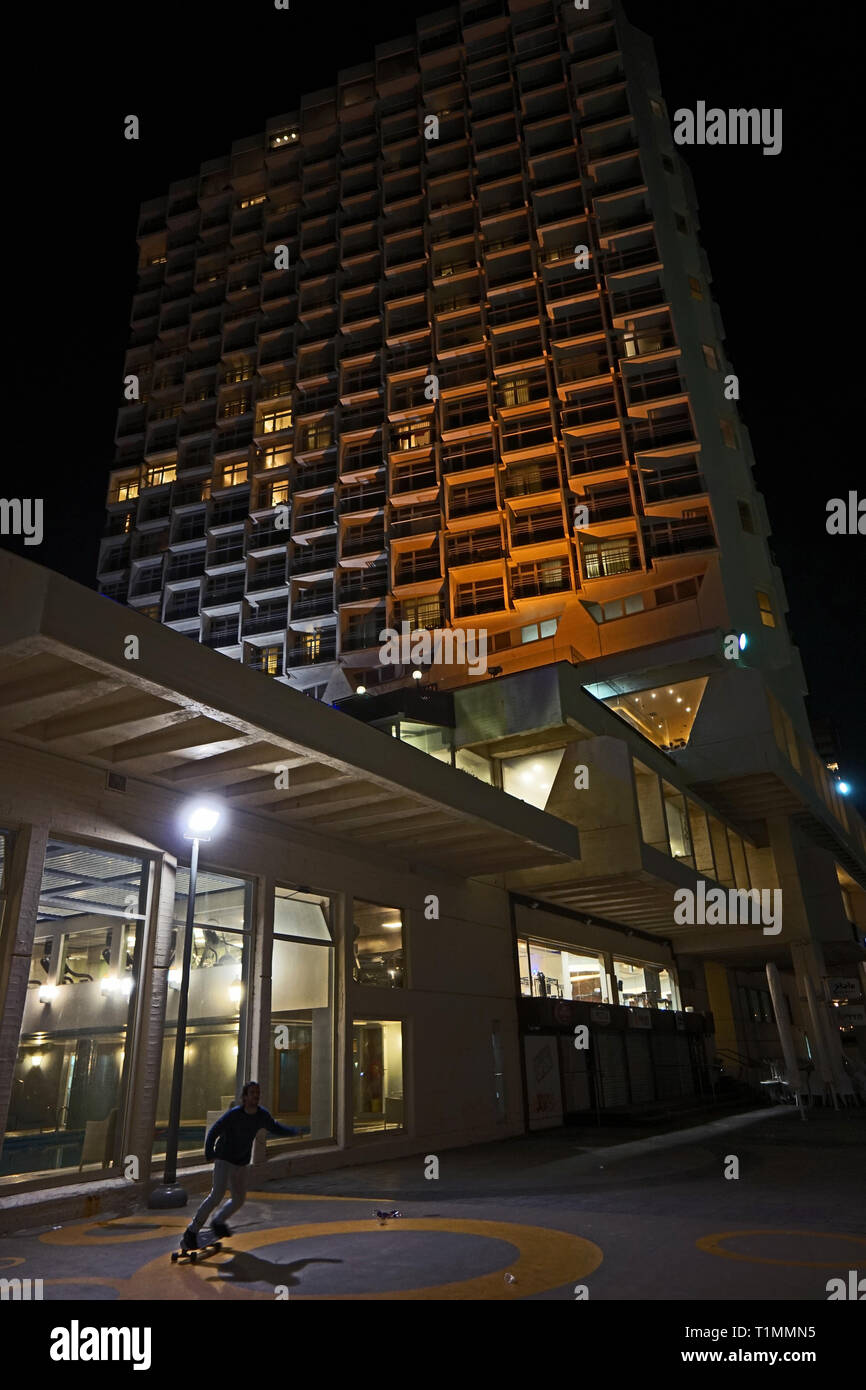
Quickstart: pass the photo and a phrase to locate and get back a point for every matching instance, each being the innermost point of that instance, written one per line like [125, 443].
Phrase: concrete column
[16, 949]
[795, 1081]
[260, 1040]
[809, 965]
[148, 1025]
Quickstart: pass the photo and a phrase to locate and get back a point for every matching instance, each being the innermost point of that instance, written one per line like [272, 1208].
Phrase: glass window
[377, 1075]
[644, 986]
[377, 945]
[70, 1073]
[710, 357]
[216, 1021]
[561, 972]
[531, 777]
[765, 608]
[302, 1020]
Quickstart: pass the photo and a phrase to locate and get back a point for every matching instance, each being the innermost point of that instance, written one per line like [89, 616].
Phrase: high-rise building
[387, 350]
[440, 351]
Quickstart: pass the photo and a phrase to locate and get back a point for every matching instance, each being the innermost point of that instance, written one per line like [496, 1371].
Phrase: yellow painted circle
[81, 1232]
[10, 1261]
[547, 1260]
[711, 1245]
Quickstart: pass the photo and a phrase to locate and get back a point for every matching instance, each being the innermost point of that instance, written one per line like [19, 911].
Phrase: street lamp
[199, 820]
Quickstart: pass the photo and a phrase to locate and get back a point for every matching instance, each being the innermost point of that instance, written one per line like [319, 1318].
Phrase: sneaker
[189, 1239]
[221, 1230]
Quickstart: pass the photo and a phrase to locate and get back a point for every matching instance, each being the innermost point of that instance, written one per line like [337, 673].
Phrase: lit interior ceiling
[663, 713]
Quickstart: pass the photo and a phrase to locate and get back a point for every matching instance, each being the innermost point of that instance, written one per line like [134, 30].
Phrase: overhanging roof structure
[184, 717]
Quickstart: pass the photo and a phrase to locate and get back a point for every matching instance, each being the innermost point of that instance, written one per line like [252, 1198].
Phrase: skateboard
[204, 1252]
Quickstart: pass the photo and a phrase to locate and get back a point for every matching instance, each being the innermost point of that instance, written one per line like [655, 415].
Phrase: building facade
[440, 346]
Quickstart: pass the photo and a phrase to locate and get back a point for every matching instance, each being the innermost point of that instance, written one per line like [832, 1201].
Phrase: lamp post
[200, 819]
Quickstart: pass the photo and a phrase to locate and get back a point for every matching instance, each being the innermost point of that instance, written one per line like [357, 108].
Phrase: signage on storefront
[640, 1018]
[842, 987]
[600, 1015]
[543, 1086]
[852, 1015]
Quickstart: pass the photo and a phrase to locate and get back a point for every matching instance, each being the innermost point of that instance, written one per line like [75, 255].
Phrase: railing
[652, 388]
[679, 540]
[359, 544]
[312, 655]
[413, 480]
[267, 579]
[529, 534]
[276, 621]
[540, 480]
[315, 607]
[223, 637]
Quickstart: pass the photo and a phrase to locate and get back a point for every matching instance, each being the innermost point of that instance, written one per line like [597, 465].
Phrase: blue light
[843, 788]
[744, 641]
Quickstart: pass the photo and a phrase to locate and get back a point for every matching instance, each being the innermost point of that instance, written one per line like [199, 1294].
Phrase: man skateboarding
[229, 1145]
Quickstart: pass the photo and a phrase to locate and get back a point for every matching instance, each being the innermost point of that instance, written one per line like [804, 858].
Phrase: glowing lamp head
[843, 788]
[201, 819]
[417, 675]
[743, 641]
[360, 689]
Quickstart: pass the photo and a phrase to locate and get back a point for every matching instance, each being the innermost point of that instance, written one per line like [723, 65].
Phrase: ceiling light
[391, 926]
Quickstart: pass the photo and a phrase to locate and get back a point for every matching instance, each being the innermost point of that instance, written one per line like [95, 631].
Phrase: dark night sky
[776, 231]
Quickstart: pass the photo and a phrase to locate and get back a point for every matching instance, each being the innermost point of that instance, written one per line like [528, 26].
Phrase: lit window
[277, 458]
[729, 434]
[414, 435]
[710, 357]
[234, 473]
[254, 202]
[127, 489]
[279, 494]
[277, 420]
[657, 108]
[377, 945]
[529, 633]
[515, 391]
[765, 608]
[166, 473]
[695, 287]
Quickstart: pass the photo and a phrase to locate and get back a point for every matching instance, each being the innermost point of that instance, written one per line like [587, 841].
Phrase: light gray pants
[232, 1175]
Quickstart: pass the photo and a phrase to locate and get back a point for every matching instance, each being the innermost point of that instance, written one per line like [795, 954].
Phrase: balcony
[529, 437]
[406, 480]
[679, 539]
[318, 520]
[313, 653]
[659, 486]
[526, 531]
[362, 636]
[216, 595]
[362, 500]
[536, 586]
[274, 620]
[312, 560]
[313, 604]
[360, 585]
[222, 637]
[267, 577]
[657, 386]
[474, 551]
[411, 570]
[358, 541]
[473, 506]
[410, 521]
[530, 481]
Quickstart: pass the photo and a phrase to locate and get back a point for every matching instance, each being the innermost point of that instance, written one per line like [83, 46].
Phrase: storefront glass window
[555, 972]
[377, 936]
[302, 1024]
[377, 1075]
[217, 1012]
[70, 1074]
[644, 986]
